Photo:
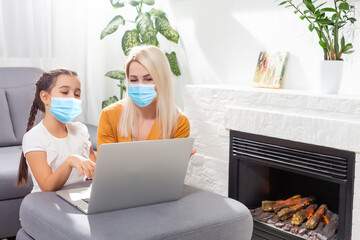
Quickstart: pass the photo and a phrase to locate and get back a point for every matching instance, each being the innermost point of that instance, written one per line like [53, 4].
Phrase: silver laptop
[134, 174]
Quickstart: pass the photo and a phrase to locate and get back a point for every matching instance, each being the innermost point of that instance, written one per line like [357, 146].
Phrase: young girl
[58, 151]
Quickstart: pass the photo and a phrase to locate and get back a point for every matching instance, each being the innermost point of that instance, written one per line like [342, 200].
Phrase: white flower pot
[330, 76]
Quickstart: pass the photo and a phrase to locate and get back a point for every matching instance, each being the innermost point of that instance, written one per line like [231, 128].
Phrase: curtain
[47, 34]
[53, 34]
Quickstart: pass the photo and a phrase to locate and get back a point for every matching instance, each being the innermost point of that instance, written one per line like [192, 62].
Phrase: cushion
[93, 135]
[12, 77]
[10, 158]
[7, 136]
[20, 100]
[9, 217]
[197, 215]
[19, 85]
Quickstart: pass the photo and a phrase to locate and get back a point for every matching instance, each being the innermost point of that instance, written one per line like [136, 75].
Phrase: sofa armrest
[93, 135]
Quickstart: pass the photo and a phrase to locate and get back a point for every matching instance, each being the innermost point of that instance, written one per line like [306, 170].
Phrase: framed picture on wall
[270, 69]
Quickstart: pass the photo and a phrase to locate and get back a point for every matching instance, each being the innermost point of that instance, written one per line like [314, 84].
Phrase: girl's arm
[52, 181]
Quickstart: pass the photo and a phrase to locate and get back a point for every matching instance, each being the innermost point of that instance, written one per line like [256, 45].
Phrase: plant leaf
[348, 52]
[109, 101]
[344, 6]
[309, 5]
[156, 13]
[129, 40]
[324, 21]
[322, 44]
[328, 10]
[302, 17]
[112, 26]
[118, 3]
[352, 20]
[282, 3]
[149, 2]
[145, 26]
[173, 63]
[342, 42]
[163, 26]
[119, 75]
[347, 47]
[135, 2]
[335, 17]
[311, 27]
[322, 4]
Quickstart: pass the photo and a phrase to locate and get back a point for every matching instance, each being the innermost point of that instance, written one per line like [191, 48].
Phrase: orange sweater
[108, 127]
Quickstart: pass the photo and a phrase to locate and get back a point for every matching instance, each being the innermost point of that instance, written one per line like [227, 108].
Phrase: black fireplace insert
[267, 168]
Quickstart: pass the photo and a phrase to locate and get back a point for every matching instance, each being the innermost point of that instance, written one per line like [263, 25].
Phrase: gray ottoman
[197, 215]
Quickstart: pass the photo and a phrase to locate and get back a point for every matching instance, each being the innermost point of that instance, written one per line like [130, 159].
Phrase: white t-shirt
[58, 149]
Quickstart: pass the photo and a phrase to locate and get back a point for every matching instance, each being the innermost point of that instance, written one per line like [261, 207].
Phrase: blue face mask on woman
[65, 109]
[142, 94]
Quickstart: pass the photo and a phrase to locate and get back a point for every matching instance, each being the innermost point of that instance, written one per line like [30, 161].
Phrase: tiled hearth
[326, 120]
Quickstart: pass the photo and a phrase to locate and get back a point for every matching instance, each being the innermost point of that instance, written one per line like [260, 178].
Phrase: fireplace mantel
[326, 120]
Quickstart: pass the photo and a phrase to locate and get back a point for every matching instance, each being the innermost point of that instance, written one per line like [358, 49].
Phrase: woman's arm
[52, 181]
[183, 128]
[105, 130]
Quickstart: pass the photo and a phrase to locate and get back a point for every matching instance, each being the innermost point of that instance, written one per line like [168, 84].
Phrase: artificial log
[287, 227]
[263, 215]
[278, 207]
[299, 217]
[274, 219]
[268, 205]
[303, 231]
[279, 224]
[319, 227]
[330, 229]
[314, 220]
[286, 213]
[266, 218]
[256, 212]
[327, 216]
[295, 229]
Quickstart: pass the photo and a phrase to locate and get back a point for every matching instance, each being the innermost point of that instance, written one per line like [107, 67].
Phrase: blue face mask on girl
[142, 94]
[65, 109]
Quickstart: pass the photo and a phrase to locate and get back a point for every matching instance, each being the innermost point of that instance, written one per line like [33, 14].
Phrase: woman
[148, 111]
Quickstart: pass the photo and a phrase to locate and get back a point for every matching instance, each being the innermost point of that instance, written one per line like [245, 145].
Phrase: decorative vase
[330, 76]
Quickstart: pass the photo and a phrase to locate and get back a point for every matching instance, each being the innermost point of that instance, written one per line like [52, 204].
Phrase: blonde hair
[167, 113]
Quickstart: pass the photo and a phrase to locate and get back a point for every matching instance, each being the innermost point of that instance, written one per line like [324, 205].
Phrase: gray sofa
[17, 87]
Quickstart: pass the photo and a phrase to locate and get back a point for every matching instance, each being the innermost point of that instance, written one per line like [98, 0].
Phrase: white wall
[222, 40]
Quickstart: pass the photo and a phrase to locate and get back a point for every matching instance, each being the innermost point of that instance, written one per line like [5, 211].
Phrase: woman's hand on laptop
[83, 165]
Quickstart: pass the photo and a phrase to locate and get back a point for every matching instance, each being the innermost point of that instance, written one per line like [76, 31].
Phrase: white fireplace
[326, 120]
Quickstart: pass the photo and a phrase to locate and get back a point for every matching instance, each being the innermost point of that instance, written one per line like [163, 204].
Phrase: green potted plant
[327, 19]
[142, 30]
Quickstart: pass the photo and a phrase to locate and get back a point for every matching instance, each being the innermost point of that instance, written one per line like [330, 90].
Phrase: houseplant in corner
[327, 19]
[143, 31]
